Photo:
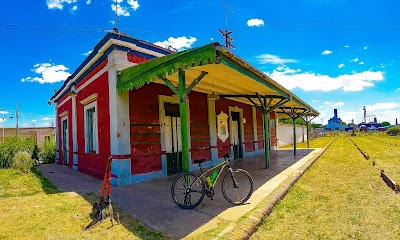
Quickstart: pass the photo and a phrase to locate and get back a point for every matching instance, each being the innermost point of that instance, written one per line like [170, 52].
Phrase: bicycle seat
[227, 155]
[199, 161]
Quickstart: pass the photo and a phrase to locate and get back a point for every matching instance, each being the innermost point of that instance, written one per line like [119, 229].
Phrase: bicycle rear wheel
[188, 190]
[237, 186]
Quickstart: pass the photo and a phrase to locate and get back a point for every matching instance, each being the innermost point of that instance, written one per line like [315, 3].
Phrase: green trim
[195, 82]
[170, 85]
[145, 124]
[184, 121]
[141, 74]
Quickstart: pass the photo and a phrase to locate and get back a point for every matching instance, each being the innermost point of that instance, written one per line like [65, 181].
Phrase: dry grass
[340, 197]
[32, 208]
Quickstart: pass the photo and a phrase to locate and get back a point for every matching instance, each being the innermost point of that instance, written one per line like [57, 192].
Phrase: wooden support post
[184, 120]
[294, 132]
[266, 139]
[308, 132]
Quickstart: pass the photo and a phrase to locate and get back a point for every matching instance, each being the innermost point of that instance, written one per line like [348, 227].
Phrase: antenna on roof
[115, 29]
[226, 34]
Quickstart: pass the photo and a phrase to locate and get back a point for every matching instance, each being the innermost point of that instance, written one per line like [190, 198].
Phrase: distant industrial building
[335, 123]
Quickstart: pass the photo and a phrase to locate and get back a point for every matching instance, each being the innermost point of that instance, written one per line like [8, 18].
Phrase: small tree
[384, 124]
[48, 152]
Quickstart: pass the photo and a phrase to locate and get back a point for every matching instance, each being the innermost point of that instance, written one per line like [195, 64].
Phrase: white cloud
[346, 46]
[341, 65]
[366, 47]
[87, 53]
[334, 104]
[354, 60]
[337, 104]
[269, 58]
[212, 39]
[134, 4]
[398, 89]
[121, 11]
[58, 4]
[255, 22]
[3, 112]
[327, 52]
[124, 10]
[179, 43]
[33, 120]
[88, 1]
[47, 119]
[49, 72]
[74, 8]
[382, 106]
[361, 63]
[310, 81]
[112, 22]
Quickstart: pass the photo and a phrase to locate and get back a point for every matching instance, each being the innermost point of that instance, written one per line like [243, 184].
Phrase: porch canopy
[213, 69]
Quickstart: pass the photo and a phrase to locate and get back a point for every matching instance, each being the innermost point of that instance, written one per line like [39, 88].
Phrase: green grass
[314, 143]
[340, 197]
[32, 208]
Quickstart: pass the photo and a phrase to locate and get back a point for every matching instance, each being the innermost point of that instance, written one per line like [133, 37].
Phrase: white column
[119, 119]
[255, 136]
[212, 124]
[74, 135]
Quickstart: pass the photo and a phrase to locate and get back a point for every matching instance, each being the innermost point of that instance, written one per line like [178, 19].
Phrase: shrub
[11, 146]
[35, 153]
[22, 161]
[48, 152]
[393, 131]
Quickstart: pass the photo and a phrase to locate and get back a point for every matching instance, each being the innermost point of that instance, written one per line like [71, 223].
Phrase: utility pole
[16, 117]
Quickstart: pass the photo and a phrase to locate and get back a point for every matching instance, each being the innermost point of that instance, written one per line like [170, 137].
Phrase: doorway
[236, 133]
[64, 135]
[173, 140]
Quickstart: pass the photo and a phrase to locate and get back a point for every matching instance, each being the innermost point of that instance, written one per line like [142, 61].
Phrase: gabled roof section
[228, 75]
[99, 53]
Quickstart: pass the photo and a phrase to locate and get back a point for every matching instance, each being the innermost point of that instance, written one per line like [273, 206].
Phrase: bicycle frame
[222, 167]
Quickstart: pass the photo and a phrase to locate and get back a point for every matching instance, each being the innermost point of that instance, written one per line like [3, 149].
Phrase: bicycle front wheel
[188, 190]
[237, 186]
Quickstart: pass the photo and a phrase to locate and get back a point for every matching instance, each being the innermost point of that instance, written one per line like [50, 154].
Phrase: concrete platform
[151, 202]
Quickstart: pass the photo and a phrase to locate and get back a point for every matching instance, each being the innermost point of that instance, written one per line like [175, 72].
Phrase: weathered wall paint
[92, 163]
[145, 127]
[136, 59]
[223, 105]
[199, 132]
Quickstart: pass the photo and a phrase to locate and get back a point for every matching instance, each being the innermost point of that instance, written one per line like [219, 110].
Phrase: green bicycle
[188, 189]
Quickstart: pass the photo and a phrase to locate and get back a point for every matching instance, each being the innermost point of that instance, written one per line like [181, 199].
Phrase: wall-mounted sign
[222, 122]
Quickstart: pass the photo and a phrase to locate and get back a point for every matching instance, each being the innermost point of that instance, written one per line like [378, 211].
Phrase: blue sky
[333, 54]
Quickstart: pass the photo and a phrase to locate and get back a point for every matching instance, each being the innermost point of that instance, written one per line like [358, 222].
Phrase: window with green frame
[91, 133]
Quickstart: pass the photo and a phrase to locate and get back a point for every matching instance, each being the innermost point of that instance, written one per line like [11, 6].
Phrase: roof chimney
[335, 112]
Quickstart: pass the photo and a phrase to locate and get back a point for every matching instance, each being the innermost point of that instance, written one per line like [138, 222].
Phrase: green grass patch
[314, 143]
[340, 197]
[32, 208]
